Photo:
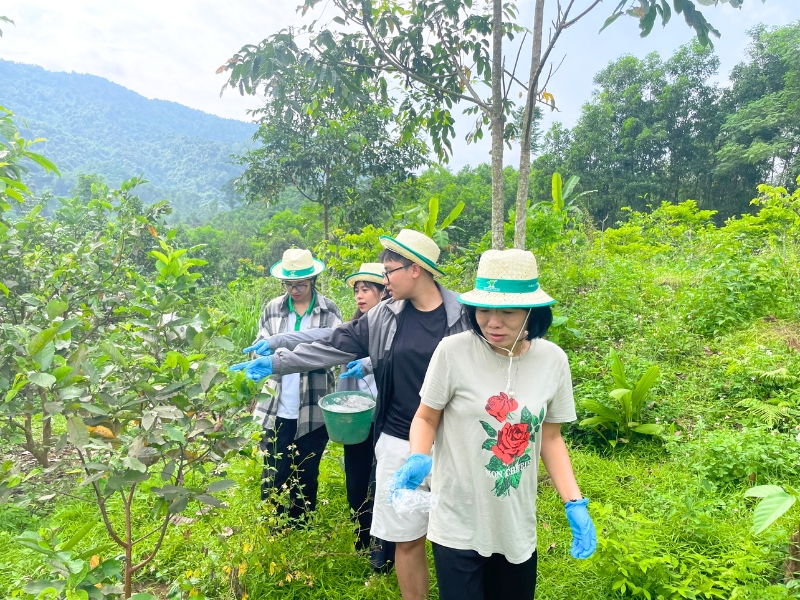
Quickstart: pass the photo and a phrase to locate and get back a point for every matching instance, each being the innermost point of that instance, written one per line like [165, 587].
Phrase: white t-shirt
[289, 400]
[488, 444]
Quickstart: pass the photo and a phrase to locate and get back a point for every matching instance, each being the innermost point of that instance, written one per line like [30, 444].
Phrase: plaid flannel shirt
[313, 384]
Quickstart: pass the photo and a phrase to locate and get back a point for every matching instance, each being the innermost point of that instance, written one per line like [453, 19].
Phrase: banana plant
[427, 222]
[564, 199]
[625, 417]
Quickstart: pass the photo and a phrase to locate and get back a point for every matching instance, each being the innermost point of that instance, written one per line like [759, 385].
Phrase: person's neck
[521, 347]
[301, 306]
[427, 297]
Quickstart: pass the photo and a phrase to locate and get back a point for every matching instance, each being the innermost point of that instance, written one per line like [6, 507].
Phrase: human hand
[261, 347]
[584, 536]
[255, 369]
[354, 369]
[411, 474]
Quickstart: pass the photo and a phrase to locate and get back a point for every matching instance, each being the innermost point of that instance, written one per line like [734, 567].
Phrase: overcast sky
[170, 49]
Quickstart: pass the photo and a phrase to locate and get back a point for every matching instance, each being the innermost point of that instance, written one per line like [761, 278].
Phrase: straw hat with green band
[297, 264]
[368, 272]
[416, 247]
[507, 278]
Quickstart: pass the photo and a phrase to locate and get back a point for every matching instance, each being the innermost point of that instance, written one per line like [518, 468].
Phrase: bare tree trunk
[498, 126]
[527, 123]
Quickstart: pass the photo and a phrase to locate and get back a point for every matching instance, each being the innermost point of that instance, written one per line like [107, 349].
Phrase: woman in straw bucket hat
[294, 436]
[399, 336]
[504, 392]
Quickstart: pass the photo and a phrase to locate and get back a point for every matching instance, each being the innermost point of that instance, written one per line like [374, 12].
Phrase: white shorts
[391, 453]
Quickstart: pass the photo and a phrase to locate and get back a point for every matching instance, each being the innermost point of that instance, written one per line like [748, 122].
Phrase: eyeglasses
[295, 287]
[387, 273]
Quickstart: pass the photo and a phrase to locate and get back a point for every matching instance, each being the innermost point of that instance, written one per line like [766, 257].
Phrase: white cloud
[171, 49]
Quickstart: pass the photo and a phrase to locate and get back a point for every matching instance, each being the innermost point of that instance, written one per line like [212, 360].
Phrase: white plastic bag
[406, 501]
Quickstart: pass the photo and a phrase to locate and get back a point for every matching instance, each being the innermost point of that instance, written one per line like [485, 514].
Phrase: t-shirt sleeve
[561, 407]
[436, 390]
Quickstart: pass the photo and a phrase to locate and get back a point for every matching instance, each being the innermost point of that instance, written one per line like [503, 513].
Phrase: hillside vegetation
[94, 126]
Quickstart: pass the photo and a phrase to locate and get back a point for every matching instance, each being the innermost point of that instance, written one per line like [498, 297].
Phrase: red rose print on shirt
[500, 406]
[511, 442]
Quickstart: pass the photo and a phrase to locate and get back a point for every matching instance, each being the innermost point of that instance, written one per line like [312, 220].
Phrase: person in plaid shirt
[294, 433]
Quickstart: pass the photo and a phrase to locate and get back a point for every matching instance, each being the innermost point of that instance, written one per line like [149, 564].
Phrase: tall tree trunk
[520, 232]
[498, 125]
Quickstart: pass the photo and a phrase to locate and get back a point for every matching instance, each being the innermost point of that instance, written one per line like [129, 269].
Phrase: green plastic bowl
[347, 427]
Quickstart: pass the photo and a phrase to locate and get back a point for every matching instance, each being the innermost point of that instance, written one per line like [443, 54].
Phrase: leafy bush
[730, 457]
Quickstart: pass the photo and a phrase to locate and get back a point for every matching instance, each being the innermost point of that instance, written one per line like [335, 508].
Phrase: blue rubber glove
[255, 369]
[584, 536]
[411, 474]
[354, 369]
[261, 347]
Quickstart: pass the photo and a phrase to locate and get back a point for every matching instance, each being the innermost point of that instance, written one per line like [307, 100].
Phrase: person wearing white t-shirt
[493, 400]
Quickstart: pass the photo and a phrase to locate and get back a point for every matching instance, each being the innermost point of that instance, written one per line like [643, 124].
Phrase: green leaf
[433, 215]
[501, 486]
[224, 343]
[762, 491]
[608, 414]
[495, 465]
[569, 187]
[556, 192]
[77, 432]
[453, 215]
[490, 431]
[515, 479]
[44, 358]
[67, 325]
[648, 429]
[220, 486]
[489, 444]
[526, 416]
[208, 376]
[55, 308]
[643, 386]
[77, 537]
[618, 371]
[44, 380]
[770, 509]
[40, 340]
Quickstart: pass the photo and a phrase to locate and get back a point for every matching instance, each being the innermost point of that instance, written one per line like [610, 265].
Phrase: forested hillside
[95, 126]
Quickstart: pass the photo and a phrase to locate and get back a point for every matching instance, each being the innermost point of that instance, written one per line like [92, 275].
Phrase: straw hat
[297, 264]
[368, 272]
[416, 247]
[507, 278]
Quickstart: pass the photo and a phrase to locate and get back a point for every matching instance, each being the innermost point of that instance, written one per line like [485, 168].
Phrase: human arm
[423, 429]
[347, 342]
[291, 339]
[556, 460]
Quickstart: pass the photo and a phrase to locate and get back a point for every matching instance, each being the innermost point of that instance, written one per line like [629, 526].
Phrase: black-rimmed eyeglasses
[387, 273]
[295, 287]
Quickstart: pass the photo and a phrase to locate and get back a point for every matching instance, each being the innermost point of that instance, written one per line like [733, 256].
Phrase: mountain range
[95, 126]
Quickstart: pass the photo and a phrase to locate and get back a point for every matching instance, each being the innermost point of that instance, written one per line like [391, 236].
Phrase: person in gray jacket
[399, 336]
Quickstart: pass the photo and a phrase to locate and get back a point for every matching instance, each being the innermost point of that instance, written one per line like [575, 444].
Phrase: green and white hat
[368, 272]
[507, 278]
[416, 247]
[297, 264]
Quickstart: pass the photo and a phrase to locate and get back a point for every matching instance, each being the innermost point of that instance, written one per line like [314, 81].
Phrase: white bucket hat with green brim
[416, 247]
[507, 279]
[297, 264]
[368, 272]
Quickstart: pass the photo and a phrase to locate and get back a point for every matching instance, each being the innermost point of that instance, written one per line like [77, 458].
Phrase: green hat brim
[276, 271]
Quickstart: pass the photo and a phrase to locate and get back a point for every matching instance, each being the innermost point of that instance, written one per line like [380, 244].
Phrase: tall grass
[243, 300]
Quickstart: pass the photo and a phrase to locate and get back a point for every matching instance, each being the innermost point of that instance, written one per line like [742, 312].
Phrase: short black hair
[387, 254]
[539, 321]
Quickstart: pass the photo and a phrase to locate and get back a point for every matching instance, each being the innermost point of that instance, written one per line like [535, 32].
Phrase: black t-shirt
[418, 334]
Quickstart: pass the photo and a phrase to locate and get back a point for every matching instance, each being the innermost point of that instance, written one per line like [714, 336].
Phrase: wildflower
[325, 500]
